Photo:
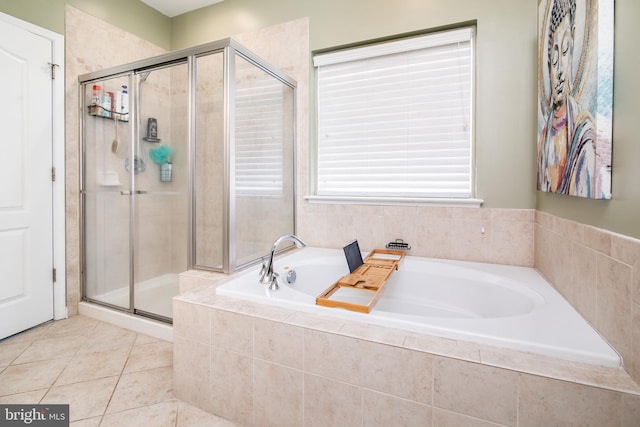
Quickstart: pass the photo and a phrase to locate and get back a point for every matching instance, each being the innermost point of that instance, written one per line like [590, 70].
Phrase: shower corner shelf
[371, 277]
[94, 113]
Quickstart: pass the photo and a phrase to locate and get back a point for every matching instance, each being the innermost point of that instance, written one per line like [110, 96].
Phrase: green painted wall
[621, 214]
[506, 92]
[506, 57]
[130, 15]
[506, 75]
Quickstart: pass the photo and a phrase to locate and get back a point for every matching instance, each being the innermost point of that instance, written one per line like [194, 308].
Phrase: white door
[26, 229]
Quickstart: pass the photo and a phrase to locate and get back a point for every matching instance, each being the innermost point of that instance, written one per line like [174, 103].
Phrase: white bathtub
[504, 306]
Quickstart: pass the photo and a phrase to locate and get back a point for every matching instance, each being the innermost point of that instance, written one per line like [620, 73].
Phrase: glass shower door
[135, 189]
[105, 194]
[209, 176]
[264, 158]
[160, 197]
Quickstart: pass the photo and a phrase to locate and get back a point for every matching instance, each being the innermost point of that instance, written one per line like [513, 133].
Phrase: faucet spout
[266, 273]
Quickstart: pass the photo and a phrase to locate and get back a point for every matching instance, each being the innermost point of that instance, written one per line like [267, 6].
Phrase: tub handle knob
[263, 269]
[291, 276]
[273, 286]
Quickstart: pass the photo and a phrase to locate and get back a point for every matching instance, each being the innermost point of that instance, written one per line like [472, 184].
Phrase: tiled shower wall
[90, 45]
[503, 236]
[598, 272]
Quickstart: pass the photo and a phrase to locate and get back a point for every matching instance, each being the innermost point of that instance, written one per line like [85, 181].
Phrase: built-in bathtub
[503, 306]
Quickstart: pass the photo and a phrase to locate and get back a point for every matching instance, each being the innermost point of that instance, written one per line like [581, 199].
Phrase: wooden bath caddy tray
[369, 278]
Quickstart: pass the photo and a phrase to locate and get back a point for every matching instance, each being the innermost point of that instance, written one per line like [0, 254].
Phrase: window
[260, 138]
[395, 118]
[263, 131]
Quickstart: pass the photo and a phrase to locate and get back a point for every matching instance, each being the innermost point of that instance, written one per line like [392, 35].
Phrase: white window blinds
[260, 118]
[394, 119]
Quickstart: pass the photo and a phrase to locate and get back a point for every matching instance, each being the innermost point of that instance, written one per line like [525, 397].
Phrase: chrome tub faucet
[267, 275]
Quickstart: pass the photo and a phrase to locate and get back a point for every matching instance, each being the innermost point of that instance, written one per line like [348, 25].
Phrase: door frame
[58, 157]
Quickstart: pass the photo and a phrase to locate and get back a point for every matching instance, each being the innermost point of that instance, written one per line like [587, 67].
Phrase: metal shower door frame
[230, 48]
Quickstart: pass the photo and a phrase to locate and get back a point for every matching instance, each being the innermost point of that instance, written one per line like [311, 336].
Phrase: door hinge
[53, 173]
[54, 275]
[53, 70]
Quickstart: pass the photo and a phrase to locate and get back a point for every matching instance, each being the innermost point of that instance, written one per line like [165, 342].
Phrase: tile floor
[108, 375]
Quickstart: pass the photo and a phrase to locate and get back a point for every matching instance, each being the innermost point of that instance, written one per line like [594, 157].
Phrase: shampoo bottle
[106, 104]
[124, 104]
[96, 100]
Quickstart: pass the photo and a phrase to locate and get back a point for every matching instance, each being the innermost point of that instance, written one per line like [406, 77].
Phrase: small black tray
[398, 244]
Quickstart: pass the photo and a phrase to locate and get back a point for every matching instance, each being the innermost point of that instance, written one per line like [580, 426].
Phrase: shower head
[144, 75]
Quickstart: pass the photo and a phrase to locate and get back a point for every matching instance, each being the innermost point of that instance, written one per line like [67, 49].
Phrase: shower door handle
[128, 193]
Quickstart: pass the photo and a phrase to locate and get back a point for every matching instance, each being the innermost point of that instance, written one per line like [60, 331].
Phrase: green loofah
[160, 154]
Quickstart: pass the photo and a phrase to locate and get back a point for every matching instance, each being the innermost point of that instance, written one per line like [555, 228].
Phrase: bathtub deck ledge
[615, 379]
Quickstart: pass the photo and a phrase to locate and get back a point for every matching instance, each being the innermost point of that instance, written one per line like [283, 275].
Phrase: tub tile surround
[598, 272]
[503, 236]
[276, 368]
[349, 371]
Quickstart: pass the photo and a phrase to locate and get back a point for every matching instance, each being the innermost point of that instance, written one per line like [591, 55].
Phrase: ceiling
[173, 8]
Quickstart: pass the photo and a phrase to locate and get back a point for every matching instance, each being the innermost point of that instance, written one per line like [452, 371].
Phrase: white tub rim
[610, 358]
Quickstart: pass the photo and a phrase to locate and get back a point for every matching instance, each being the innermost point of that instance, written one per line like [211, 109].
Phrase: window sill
[396, 201]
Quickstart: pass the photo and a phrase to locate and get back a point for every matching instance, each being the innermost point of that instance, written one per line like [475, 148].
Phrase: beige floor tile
[31, 376]
[50, 348]
[148, 356]
[91, 366]
[190, 416]
[89, 422]
[30, 335]
[28, 398]
[108, 375]
[108, 337]
[9, 351]
[74, 325]
[158, 415]
[86, 399]
[145, 339]
[142, 388]
[442, 418]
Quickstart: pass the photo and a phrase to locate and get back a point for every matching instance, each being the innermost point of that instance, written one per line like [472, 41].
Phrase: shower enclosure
[187, 162]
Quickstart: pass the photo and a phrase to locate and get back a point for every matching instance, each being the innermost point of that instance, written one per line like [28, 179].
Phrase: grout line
[518, 397]
[115, 387]
[11, 363]
[119, 346]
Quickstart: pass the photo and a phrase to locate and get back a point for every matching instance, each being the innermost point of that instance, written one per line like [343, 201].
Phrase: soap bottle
[96, 101]
[124, 104]
[106, 104]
